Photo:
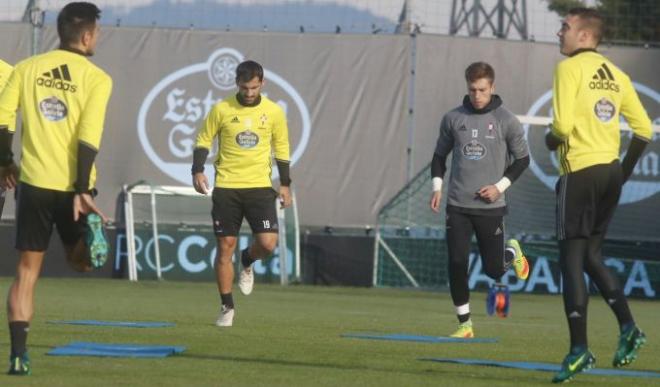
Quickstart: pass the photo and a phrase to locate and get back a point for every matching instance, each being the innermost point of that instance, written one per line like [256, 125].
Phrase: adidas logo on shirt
[235, 120]
[603, 80]
[58, 78]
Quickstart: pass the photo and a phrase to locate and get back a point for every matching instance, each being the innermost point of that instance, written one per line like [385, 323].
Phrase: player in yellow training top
[589, 94]
[5, 71]
[249, 127]
[62, 98]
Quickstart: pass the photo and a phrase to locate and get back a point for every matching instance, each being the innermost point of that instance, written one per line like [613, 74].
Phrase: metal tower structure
[35, 16]
[500, 15]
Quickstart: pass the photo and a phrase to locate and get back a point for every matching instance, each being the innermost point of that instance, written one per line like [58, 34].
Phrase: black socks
[18, 331]
[227, 300]
[246, 260]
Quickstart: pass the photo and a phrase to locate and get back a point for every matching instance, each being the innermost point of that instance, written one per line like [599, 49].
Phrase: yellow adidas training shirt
[247, 136]
[62, 98]
[589, 94]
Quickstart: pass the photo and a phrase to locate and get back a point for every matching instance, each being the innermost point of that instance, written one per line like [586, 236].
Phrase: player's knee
[494, 271]
[267, 246]
[227, 244]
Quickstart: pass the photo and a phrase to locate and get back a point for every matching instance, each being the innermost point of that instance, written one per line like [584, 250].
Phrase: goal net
[410, 248]
[169, 235]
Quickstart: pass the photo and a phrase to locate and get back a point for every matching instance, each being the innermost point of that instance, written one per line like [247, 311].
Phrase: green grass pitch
[290, 336]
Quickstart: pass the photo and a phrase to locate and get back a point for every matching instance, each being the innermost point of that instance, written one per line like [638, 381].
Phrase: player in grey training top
[489, 153]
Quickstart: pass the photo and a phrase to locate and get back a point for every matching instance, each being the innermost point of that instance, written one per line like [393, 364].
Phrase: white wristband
[437, 184]
[503, 184]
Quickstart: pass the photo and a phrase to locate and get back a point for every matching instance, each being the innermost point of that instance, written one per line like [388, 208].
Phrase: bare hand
[489, 193]
[436, 197]
[285, 197]
[201, 183]
[8, 176]
[83, 204]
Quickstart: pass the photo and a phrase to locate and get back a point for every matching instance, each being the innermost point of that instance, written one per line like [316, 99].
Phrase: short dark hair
[247, 70]
[74, 19]
[479, 70]
[590, 19]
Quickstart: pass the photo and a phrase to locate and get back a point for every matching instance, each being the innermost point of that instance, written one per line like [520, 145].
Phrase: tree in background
[625, 20]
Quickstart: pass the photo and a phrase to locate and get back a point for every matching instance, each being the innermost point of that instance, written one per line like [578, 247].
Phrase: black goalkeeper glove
[552, 142]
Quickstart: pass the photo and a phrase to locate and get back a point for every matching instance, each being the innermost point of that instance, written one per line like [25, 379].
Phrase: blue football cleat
[498, 300]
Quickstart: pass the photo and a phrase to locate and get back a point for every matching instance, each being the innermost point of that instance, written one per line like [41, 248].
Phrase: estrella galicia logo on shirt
[474, 150]
[53, 109]
[58, 78]
[247, 139]
[175, 108]
[604, 110]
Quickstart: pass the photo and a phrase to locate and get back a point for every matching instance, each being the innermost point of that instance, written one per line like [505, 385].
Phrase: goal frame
[154, 190]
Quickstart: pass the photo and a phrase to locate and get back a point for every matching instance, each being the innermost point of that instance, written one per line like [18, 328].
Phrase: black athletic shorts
[37, 210]
[586, 200]
[231, 205]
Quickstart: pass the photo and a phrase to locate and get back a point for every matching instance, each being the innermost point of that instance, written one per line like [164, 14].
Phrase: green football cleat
[520, 263]
[19, 365]
[574, 364]
[629, 342]
[96, 241]
[464, 331]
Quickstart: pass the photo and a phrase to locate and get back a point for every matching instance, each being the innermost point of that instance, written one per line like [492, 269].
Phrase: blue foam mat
[115, 350]
[417, 338]
[531, 366]
[124, 324]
